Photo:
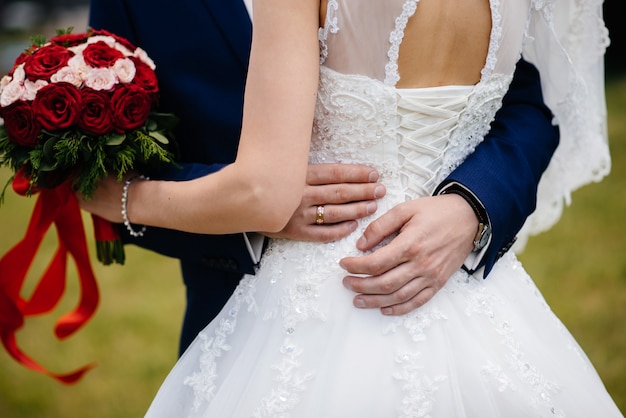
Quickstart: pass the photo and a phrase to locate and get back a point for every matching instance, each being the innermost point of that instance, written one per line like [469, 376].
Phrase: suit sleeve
[115, 16]
[505, 169]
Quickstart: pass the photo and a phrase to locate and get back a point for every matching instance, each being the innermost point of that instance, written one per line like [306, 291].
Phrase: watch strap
[484, 225]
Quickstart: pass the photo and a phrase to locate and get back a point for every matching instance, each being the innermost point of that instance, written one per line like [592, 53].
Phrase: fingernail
[373, 176]
[379, 192]
[354, 224]
[359, 303]
[362, 242]
[386, 311]
[371, 208]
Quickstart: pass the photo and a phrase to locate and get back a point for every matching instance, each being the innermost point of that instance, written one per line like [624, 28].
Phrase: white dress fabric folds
[289, 342]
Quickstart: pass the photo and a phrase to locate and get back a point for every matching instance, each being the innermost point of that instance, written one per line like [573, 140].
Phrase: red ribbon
[60, 207]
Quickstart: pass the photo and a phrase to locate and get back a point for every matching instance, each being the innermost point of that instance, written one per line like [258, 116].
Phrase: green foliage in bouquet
[86, 159]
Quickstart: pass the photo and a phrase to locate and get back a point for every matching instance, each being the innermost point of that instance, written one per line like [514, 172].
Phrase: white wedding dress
[289, 342]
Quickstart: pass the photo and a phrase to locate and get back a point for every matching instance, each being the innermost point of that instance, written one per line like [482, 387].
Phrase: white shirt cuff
[475, 257]
[254, 243]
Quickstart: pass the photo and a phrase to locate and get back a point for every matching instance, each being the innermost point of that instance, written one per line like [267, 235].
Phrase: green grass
[133, 337]
[580, 265]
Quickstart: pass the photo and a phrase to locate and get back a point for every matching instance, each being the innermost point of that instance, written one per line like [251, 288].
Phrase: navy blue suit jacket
[201, 51]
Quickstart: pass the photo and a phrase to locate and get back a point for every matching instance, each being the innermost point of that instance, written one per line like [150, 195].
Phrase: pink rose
[125, 70]
[67, 74]
[31, 88]
[100, 79]
[143, 56]
[11, 93]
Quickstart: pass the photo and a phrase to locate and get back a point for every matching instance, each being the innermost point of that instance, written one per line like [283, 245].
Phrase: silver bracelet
[125, 212]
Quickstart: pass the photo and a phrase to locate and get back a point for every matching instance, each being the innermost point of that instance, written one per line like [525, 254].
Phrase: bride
[409, 88]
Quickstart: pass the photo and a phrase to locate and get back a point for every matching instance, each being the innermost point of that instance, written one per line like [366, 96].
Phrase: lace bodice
[404, 133]
[564, 39]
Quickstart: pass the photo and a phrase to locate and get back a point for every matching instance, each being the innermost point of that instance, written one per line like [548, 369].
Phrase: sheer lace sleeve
[566, 40]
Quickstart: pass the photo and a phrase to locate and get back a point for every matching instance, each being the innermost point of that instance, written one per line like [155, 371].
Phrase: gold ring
[319, 215]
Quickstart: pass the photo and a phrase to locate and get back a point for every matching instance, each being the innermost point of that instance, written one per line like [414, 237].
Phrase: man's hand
[435, 236]
[346, 192]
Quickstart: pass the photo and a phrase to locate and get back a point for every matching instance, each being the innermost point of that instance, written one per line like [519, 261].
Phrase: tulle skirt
[289, 343]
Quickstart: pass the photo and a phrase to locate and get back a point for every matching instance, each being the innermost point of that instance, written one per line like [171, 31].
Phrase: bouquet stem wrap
[109, 247]
[57, 206]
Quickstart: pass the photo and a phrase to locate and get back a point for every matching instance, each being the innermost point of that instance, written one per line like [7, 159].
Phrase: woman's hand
[106, 201]
[346, 192]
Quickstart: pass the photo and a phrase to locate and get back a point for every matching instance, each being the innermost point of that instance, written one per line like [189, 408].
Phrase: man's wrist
[483, 234]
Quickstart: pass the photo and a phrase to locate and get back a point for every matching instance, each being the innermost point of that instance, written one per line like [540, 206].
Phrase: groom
[201, 50]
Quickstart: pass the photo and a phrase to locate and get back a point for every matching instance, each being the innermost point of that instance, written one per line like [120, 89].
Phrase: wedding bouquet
[75, 108]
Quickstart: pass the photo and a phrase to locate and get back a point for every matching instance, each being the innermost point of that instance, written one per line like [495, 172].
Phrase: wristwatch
[483, 234]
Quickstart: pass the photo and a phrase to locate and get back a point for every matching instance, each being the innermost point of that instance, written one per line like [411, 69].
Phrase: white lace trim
[392, 75]
[474, 121]
[330, 26]
[482, 302]
[495, 37]
[290, 382]
[203, 381]
[571, 56]
[418, 388]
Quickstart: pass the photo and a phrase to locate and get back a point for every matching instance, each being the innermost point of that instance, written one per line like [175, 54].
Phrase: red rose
[69, 39]
[100, 55]
[131, 107]
[57, 106]
[145, 76]
[125, 42]
[23, 57]
[21, 124]
[46, 61]
[96, 116]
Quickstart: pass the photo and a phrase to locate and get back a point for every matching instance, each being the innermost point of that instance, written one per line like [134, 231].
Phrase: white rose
[127, 52]
[68, 75]
[124, 69]
[78, 65]
[19, 75]
[143, 56]
[4, 81]
[78, 49]
[100, 79]
[11, 93]
[31, 89]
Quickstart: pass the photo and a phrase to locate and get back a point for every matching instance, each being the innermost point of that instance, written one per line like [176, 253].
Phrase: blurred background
[580, 266]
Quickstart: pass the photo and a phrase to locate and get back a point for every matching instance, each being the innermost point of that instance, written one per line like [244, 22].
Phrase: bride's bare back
[445, 43]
